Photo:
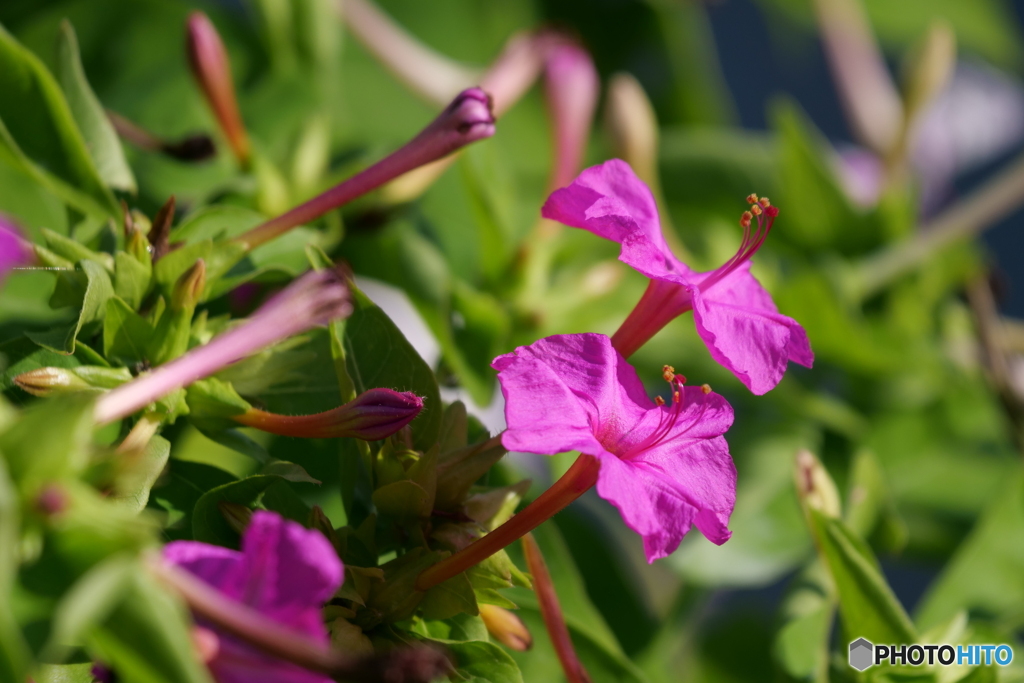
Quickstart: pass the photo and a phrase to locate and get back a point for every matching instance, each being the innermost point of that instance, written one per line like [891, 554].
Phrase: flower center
[667, 419]
[761, 211]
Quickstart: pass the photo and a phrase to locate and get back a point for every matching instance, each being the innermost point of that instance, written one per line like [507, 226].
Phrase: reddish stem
[661, 303]
[573, 484]
[551, 611]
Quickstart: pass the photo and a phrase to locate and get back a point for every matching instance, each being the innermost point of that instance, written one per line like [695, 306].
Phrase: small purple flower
[664, 466]
[734, 315]
[286, 573]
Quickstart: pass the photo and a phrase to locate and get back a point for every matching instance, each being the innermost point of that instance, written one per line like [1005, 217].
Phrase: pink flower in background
[13, 251]
[286, 573]
[734, 315]
[664, 466]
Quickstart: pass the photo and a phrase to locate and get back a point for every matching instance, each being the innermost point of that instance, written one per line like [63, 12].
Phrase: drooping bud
[197, 147]
[467, 119]
[572, 87]
[210, 66]
[507, 628]
[312, 299]
[375, 414]
[929, 69]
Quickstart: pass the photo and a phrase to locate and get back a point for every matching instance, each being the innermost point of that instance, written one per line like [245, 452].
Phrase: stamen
[756, 209]
[659, 400]
[668, 373]
[675, 397]
[765, 214]
[764, 202]
[751, 198]
[706, 388]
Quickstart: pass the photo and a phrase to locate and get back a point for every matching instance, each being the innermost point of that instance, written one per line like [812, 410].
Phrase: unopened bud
[815, 487]
[507, 628]
[51, 500]
[237, 516]
[929, 68]
[210, 66]
[188, 290]
[47, 381]
[160, 231]
[572, 87]
[373, 415]
[632, 126]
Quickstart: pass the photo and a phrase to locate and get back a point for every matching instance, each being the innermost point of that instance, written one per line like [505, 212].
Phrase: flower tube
[312, 299]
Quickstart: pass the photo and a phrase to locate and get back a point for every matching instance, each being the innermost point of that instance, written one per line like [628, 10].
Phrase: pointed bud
[375, 414]
[160, 231]
[210, 66]
[47, 381]
[188, 290]
[507, 628]
[312, 299]
[572, 87]
[929, 68]
[467, 119]
[632, 126]
[237, 516]
[814, 486]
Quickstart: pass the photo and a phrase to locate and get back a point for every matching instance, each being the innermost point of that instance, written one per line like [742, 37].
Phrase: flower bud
[374, 414]
[507, 628]
[210, 66]
[572, 87]
[929, 68]
[814, 486]
[632, 126]
[46, 381]
[51, 500]
[188, 290]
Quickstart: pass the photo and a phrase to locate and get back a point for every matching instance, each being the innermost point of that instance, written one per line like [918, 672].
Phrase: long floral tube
[580, 478]
[313, 299]
[467, 119]
[551, 611]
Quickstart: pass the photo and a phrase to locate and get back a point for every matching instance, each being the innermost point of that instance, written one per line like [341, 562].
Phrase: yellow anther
[659, 400]
[706, 388]
[756, 209]
[751, 198]
[668, 373]
[675, 397]
[764, 203]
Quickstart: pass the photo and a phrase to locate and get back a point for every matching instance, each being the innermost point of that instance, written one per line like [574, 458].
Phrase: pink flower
[286, 573]
[664, 466]
[735, 316]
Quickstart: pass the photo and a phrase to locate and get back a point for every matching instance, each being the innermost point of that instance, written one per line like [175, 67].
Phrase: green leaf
[866, 602]
[802, 644]
[127, 336]
[986, 574]
[38, 132]
[480, 662]
[404, 500]
[14, 652]
[99, 134]
[96, 292]
[449, 599]
[147, 637]
[65, 673]
[209, 525]
[379, 355]
[50, 441]
[131, 278]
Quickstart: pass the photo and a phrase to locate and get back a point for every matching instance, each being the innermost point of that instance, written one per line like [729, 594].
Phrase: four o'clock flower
[734, 315]
[286, 573]
[664, 465]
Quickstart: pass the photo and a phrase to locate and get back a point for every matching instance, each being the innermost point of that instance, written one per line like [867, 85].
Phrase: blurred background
[914, 402]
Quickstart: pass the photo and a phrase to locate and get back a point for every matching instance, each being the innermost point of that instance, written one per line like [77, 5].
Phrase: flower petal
[237, 662]
[291, 572]
[610, 201]
[217, 566]
[744, 331]
[560, 390]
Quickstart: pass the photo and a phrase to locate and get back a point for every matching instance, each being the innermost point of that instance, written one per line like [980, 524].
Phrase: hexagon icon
[860, 654]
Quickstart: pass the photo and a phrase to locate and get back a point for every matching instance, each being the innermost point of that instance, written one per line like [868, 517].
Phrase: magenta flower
[13, 250]
[664, 466]
[734, 315]
[286, 573]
